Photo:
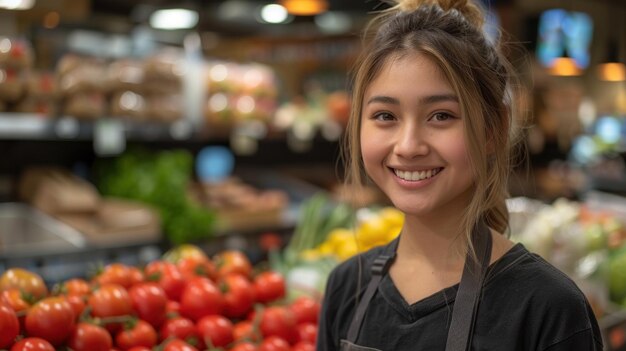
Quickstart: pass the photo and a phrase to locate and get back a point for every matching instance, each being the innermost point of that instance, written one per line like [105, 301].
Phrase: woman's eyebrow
[431, 99]
[426, 100]
[383, 99]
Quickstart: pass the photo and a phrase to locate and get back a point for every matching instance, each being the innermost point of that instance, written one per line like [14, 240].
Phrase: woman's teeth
[419, 175]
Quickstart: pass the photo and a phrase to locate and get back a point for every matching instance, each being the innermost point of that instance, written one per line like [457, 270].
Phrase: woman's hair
[449, 32]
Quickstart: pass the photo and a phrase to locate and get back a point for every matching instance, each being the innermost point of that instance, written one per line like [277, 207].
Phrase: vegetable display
[184, 301]
[326, 234]
[586, 240]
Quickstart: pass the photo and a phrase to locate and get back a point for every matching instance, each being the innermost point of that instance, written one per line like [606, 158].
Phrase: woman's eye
[384, 116]
[441, 116]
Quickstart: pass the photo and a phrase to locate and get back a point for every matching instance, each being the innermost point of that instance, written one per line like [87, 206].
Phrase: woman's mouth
[413, 176]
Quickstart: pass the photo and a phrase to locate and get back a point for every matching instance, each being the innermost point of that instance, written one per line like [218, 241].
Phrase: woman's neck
[429, 252]
[440, 244]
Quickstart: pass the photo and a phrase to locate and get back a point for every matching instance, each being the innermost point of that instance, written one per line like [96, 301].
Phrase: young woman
[432, 125]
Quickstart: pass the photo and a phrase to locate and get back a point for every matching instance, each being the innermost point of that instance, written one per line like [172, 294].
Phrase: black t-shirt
[526, 304]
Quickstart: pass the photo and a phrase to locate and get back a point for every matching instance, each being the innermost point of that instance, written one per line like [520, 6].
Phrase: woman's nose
[411, 141]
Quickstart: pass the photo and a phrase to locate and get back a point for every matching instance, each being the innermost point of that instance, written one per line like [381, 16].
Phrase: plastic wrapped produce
[15, 53]
[12, 84]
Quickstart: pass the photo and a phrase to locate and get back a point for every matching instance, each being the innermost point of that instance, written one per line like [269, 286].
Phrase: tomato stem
[117, 319]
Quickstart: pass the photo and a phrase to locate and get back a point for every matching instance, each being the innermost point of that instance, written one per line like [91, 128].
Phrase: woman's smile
[414, 176]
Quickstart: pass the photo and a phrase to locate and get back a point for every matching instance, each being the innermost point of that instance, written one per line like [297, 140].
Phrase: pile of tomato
[189, 303]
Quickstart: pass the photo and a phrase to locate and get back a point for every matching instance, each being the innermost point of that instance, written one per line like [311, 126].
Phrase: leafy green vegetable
[318, 216]
[617, 275]
[160, 180]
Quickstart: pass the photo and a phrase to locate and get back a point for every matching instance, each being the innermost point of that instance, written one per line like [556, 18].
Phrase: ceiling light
[171, 19]
[17, 4]
[274, 13]
[564, 66]
[612, 71]
[305, 7]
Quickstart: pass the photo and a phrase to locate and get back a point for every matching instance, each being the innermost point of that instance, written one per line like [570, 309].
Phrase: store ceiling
[122, 7]
[121, 16]
[213, 20]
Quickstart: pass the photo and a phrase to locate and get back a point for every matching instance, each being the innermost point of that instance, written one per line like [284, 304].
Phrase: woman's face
[412, 140]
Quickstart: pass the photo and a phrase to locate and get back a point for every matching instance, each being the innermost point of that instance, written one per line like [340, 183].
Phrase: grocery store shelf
[28, 232]
[27, 126]
[34, 240]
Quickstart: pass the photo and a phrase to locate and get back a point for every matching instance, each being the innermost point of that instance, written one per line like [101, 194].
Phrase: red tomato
[51, 319]
[274, 343]
[75, 286]
[9, 324]
[303, 346]
[136, 276]
[90, 337]
[32, 344]
[238, 295]
[149, 302]
[121, 274]
[168, 276]
[243, 331]
[78, 304]
[269, 286]
[184, 250]
[305, 309]
[307, 332]
[279, 321]
[232, 261]
[139, 348]
[110, 300]
[201, 298]
[25, 281]
[15, 299]
[141, 334]
[178, 345]
[172, 308]
[217, 329]
[180, 328]
[197, 266]
[244, 346]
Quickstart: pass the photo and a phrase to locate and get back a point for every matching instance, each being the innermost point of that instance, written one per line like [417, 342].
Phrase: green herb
[160, 180]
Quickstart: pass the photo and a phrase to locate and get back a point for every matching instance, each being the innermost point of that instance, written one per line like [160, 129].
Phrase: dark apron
[465, 304]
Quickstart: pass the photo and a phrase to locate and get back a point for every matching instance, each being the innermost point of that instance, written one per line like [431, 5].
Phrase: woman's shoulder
[526, 288]
[538, 285]
[524, 271]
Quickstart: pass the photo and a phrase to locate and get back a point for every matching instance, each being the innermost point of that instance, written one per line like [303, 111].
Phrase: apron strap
[468, 295]
[379, 268]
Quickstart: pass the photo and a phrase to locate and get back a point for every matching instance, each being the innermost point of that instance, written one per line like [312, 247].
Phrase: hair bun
[472, 12]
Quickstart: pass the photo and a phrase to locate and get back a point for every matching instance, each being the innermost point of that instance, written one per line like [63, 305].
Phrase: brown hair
[450, 33]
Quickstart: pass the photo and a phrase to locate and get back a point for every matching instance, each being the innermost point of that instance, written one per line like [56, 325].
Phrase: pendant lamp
[305, 7]
[613, 70]
[564, 66]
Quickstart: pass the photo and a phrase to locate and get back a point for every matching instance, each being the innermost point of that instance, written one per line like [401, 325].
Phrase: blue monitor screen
[564, 33]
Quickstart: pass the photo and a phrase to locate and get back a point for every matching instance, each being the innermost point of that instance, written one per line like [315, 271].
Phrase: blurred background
[131, 127]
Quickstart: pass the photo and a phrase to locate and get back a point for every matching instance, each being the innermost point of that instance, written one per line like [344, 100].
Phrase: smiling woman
[433, 126]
